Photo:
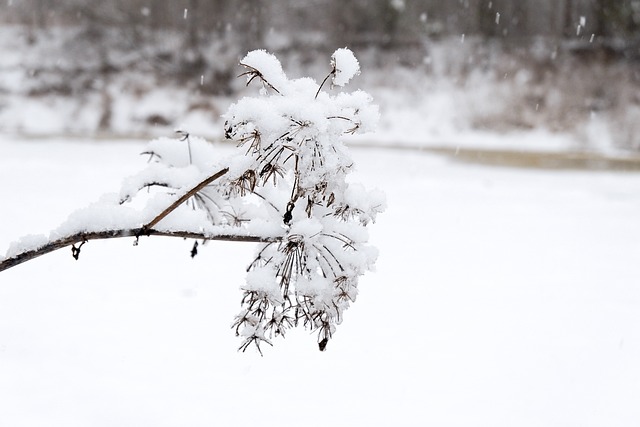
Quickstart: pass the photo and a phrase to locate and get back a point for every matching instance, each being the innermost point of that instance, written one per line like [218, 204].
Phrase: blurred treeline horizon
[383, 24]
[556, 64]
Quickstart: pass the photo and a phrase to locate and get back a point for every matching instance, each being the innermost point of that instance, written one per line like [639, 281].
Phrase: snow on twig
[286, 190]
[63, 242]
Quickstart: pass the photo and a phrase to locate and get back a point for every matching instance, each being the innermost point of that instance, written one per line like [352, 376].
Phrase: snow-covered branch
[285, 188]
[81, 238]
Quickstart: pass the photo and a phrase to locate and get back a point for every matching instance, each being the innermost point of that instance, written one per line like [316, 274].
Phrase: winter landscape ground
[507, 287]
[503, 296]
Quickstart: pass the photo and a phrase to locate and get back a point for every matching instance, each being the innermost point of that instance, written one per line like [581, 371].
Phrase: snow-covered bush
[285, 187]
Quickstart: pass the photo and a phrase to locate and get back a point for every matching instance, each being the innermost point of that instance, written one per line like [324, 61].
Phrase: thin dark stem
[267, 201]
[114, 234]
[323, 82]
[183, 199]
[253, 72]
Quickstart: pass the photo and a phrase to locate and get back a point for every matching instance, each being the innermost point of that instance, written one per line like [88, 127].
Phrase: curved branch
[254, 72]
[146, 230]
[324, 81]
[114, 234]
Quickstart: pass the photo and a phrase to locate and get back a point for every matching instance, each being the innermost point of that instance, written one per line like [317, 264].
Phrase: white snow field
[502, 297]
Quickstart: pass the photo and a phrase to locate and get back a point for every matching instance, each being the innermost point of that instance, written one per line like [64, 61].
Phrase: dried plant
[285, 188]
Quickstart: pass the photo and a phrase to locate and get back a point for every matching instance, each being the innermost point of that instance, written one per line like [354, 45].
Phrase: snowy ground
[503, 297]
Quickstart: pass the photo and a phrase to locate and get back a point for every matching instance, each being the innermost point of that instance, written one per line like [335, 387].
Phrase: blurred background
[521, 74]
[503, 296]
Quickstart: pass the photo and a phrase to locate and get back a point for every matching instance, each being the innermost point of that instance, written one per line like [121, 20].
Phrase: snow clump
[345, 65]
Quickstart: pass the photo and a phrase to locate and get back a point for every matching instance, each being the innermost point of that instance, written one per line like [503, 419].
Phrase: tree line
[384, 24]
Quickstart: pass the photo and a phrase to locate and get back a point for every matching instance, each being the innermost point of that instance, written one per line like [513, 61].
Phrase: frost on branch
[285, 187]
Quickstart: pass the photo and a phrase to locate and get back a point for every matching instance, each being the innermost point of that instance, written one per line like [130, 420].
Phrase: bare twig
[333, 72]
[182, 199]
[253, 73]
[75, 252]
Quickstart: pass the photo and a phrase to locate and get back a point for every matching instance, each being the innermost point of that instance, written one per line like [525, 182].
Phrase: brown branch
[114, 234]
[182, 199]
[146, 230]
